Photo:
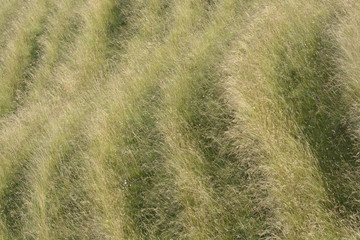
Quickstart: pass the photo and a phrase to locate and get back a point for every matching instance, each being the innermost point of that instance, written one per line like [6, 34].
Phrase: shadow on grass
[321, 112]
[12, 201]
[228, 174]
[12, 208]
[32, 61]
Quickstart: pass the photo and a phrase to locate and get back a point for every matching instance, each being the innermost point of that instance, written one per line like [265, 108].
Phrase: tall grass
[188, 144]
[89, 57]
[190, 119]
[26, 132]
[115, 131]
[7, 14]
[21, 52]
[59, 35]
[347, 60]
[273, 75]
[83, 45]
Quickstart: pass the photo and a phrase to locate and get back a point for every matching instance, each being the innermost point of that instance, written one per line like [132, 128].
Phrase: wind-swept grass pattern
[190, 119]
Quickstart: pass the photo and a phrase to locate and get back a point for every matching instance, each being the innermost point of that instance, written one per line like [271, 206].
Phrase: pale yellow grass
[18, 54]
[104, 142]
[295, 185]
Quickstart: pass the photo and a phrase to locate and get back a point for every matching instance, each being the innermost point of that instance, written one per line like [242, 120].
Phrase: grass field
[180, 119]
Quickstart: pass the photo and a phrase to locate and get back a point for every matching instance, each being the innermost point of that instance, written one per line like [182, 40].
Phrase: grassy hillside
[169, 119]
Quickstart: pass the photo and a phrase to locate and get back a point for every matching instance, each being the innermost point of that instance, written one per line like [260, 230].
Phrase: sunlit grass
[190, 119]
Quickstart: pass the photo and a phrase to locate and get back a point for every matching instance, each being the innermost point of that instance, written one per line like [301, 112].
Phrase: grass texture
[168, 119]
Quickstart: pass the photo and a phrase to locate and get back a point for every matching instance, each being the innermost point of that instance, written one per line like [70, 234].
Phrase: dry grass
[269, 74]
[347, 60]
[21, 52]
[191, 119]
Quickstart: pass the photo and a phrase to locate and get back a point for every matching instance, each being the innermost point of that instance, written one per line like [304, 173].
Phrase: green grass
[190, 119]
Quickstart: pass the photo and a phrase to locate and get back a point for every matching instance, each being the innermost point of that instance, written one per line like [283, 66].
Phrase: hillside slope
[169, 119]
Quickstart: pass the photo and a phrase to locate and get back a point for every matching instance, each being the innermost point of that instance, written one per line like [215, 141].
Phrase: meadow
[180, 119]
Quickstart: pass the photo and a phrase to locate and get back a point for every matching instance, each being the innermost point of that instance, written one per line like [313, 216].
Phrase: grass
[346, 63]
[278, 98]
[21, 52]
[7, 14]
[188, 119]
